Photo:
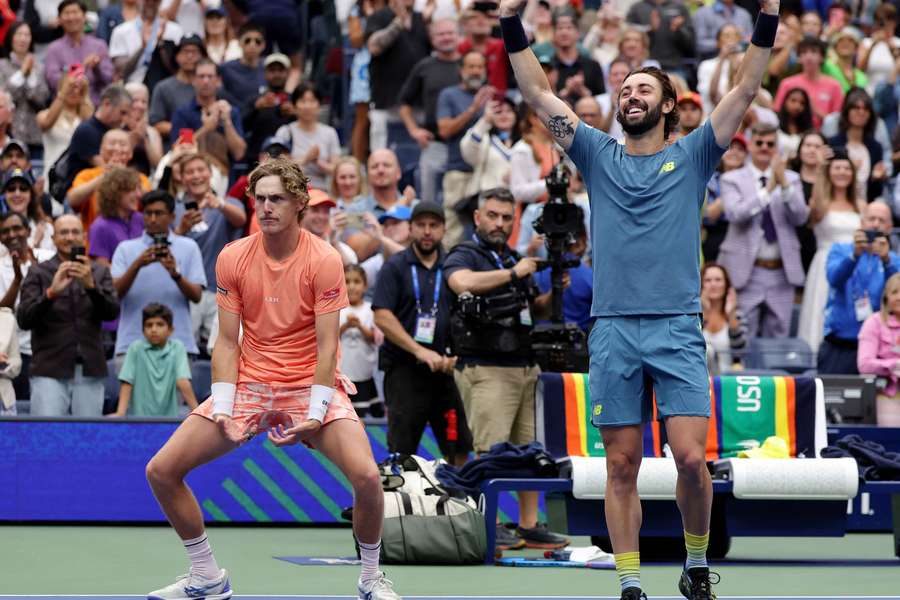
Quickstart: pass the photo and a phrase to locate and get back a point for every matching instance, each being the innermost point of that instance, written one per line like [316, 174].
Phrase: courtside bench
[760, 497]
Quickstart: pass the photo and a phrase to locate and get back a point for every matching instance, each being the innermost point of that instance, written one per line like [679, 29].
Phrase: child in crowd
[359, 343]
[879, 352]
[155, 368]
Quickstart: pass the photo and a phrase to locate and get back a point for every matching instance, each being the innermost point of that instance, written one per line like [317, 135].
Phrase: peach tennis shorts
[254, 399]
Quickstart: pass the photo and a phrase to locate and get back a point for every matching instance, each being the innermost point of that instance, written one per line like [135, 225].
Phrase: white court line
[451, 597]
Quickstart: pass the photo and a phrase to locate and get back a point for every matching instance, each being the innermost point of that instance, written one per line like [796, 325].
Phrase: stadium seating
[789, 354]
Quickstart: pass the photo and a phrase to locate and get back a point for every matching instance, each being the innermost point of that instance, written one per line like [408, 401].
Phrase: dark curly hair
[668, 93]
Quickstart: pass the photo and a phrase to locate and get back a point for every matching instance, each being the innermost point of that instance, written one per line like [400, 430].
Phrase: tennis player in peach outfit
[285, 288]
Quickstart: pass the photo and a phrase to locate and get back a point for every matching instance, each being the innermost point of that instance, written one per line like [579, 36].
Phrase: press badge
[863, 308]
[425, 326]
[525, 317]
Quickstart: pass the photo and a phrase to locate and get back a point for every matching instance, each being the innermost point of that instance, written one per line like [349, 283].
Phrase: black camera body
[160, 244]
[559, 347]
[76, 252]
[874, 234]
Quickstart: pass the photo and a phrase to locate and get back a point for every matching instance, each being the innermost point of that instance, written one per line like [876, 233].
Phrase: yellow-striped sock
[696, 546]
[628, 568]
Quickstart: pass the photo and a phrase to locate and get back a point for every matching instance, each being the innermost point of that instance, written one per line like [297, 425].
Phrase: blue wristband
[765, 30]
[514, 38]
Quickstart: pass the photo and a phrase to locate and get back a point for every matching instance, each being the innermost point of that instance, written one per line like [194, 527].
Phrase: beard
[473, 84]
[425, 248]
[495, 238]
[650, 120]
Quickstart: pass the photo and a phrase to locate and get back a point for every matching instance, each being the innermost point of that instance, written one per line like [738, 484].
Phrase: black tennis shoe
[540, 536]
[633, 593]
[696, 583]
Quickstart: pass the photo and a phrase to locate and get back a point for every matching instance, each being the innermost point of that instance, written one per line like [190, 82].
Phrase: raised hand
[508, 8]
[769, 6]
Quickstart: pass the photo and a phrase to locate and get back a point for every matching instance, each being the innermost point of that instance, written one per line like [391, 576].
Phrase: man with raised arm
[645, 220]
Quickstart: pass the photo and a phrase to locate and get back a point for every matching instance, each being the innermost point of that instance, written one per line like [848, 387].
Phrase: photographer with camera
[63, 303]
[490, 327]
[159, 266]
[856, 274]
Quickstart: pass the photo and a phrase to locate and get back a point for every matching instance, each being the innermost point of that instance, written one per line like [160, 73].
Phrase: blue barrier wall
[94, 471]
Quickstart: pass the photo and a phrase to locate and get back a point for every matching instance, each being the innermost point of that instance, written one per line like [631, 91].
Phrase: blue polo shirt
[645, 221]
[154, 284]
[189, 117]
[849, 279]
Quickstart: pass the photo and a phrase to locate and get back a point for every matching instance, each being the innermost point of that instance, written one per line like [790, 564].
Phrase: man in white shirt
[133, 42]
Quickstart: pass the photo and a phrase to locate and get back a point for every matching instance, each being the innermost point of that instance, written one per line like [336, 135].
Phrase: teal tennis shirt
[645, 221]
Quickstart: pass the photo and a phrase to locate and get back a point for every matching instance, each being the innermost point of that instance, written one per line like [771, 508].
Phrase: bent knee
[160, 474]
[367, 482]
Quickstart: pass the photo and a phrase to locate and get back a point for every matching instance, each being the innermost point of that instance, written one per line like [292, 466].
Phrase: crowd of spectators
[127, 131]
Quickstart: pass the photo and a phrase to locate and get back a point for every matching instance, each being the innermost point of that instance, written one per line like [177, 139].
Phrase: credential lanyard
[493, 253]
[437, 290]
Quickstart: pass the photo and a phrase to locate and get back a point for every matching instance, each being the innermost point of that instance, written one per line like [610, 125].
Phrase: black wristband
[514, 38]
[765, 30]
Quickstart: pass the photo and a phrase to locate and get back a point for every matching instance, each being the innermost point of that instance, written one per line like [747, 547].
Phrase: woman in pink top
[879, 351]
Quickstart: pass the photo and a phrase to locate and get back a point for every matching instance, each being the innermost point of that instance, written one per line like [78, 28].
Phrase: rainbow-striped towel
[745, 411]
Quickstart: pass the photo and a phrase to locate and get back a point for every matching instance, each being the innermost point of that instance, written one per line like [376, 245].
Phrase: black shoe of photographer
[507, 539]
[633, 593]
[540, 536]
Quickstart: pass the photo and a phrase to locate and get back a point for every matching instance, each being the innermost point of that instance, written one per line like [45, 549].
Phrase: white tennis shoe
[380, 588]
[191, 587]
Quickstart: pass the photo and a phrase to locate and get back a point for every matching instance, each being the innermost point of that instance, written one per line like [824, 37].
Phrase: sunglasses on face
[18, 188]
[764, 143]
[254, 40]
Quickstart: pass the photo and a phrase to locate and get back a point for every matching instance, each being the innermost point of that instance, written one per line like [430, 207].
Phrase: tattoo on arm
[560, 127]
[385, 38]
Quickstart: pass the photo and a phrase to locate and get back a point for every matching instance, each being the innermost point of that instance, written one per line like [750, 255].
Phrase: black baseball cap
[428, 208]
[192, 40]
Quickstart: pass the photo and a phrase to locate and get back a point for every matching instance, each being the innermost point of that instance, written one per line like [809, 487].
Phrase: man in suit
[764, 203]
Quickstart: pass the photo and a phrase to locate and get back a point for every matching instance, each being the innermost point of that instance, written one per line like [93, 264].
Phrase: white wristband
[319, 399]
[223, 398]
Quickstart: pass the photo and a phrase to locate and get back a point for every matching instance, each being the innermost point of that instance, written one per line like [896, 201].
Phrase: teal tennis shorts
[631, 357]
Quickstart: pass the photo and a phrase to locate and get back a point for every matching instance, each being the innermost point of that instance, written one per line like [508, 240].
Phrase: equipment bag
[423, 524]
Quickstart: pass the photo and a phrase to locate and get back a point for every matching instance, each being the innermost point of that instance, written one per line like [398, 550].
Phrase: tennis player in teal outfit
[645, 199]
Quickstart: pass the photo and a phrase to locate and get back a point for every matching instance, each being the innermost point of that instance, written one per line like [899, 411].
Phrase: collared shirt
[851, 279]
[154, 372]
[154, 284]
[395, 292]
[767, 250]
[67, 328]
[213, 237]
[62, 53]
[190, 116]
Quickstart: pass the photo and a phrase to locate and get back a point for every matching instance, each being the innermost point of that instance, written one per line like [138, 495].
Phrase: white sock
[369, 553]
[203, 563]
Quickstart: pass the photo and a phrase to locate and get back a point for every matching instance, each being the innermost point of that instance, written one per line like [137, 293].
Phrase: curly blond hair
[292, 179]
[117, 181]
